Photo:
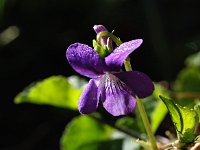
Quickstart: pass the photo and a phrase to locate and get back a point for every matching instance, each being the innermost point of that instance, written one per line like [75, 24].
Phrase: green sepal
[103, 51]
[95, 44]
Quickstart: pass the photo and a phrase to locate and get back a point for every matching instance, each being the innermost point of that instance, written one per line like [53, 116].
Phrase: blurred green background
[34, 35]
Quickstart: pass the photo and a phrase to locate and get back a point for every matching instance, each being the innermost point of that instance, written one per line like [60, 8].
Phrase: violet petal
[139, 82]
[101, 28]
[98, 29]
[88, 101]
[84, 60]
[115, 60]
[117, 98]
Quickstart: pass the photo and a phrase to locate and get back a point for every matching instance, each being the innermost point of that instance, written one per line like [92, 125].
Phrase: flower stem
[142, 111]
[127, 64]
[146, 123]
[108, 34]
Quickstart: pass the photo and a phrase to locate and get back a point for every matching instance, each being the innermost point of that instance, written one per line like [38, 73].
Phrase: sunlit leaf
[160, 110]
[184, 119]
[193, 60]
[158, 116]
[55, 91]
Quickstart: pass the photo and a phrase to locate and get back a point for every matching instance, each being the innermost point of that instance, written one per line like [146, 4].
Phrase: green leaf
[130, 125]
[197, 109]
[160, 111]
[157, 116]
[188, 80]
[187, 84]
[55, 91]
[86, 133]
[89, 133]
[184, 119]
[193, 60]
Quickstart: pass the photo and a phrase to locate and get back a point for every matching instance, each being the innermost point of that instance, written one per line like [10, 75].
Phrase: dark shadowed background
[34, 35]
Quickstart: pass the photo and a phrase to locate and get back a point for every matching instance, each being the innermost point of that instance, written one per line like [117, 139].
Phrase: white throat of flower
[112, 83]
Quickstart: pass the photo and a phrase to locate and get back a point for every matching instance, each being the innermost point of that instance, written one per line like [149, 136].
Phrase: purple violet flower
[116, 89]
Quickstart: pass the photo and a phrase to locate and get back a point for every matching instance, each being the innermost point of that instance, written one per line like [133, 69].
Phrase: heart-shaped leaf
[56, 91]
[184, 119]
[85, 133]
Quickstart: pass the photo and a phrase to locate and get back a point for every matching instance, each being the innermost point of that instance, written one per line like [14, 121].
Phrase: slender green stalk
[146, 123]
[108, 34]
[127, 64]
[142, 111]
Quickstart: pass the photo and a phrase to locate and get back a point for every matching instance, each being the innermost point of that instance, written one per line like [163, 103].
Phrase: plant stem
[142, 111]
[108, 34]
[127, 64]
[146, 123]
